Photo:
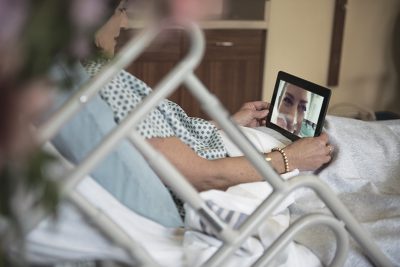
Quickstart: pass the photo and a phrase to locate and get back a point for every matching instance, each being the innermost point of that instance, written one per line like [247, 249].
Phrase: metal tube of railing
[178, 183]
[373, 252]
[254, 221]
[48, 130]
[108, 227]
[72, 106]
[128, 53]
[161, 91]
[213, 108]
[342, 241]
[363, 238]
[166, 87]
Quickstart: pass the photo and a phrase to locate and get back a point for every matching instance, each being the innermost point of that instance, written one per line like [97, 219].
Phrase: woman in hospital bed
[209, 161]
[193, 145]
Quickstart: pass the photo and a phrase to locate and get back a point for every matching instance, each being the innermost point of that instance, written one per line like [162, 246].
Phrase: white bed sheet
[72, 238]
[365, 174]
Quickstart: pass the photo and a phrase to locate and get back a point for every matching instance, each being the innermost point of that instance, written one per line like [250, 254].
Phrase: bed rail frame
[341, 222]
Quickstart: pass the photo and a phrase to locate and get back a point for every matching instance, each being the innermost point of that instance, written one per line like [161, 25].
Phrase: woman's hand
[309, 154]
[252, 114]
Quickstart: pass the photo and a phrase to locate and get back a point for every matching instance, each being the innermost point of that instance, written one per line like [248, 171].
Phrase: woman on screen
[292, 106]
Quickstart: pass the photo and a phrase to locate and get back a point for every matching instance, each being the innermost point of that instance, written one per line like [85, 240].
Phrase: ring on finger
[330, 147]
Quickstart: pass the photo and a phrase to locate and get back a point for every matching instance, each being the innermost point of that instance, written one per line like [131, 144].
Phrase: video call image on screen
[296, 110]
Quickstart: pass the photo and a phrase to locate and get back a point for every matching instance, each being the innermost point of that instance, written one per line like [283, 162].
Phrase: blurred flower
[80, 46]
[12, 17]
[86, 16]
[184, 10]
[87, 13]
[19, 109]
[34, 34]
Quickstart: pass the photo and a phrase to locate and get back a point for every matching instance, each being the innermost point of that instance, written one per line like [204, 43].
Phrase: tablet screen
[298, 107]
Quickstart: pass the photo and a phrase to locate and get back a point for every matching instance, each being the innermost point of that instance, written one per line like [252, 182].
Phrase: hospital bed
[342, 223]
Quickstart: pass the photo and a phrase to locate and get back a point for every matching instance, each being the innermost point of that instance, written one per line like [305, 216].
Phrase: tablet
[298, 107]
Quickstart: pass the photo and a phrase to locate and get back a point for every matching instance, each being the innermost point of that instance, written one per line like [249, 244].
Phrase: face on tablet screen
[296, 110]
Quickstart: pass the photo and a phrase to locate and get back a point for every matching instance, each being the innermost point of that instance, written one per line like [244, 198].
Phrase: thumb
[260, 114]
[324, 137]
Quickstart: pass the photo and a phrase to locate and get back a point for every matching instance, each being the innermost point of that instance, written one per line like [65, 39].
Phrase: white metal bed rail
[233, 239]
[299, 225]
[138, 255]
[282, 188]
[50, 129]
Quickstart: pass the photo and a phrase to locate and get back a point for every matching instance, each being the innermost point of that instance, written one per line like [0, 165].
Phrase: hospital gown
[168, 119]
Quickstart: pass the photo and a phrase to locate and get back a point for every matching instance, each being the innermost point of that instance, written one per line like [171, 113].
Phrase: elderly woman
[194, 145]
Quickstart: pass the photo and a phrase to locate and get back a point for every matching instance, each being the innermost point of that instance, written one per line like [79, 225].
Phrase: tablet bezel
[306, 85]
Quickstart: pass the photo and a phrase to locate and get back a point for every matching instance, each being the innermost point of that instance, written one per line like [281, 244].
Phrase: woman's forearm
[211, 174]
[235, 170]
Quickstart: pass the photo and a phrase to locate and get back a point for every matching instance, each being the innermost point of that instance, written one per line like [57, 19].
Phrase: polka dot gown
[168, 119]
[125, 92]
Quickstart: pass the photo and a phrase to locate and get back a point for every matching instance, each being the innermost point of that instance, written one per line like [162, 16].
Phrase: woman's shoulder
[134, 84]
[125, 78]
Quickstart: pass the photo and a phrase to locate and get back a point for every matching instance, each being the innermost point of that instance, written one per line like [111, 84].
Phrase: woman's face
[292, 108]
[106, 36]
[181, 10]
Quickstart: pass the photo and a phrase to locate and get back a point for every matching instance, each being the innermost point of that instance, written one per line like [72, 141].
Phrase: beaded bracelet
[285, 158]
